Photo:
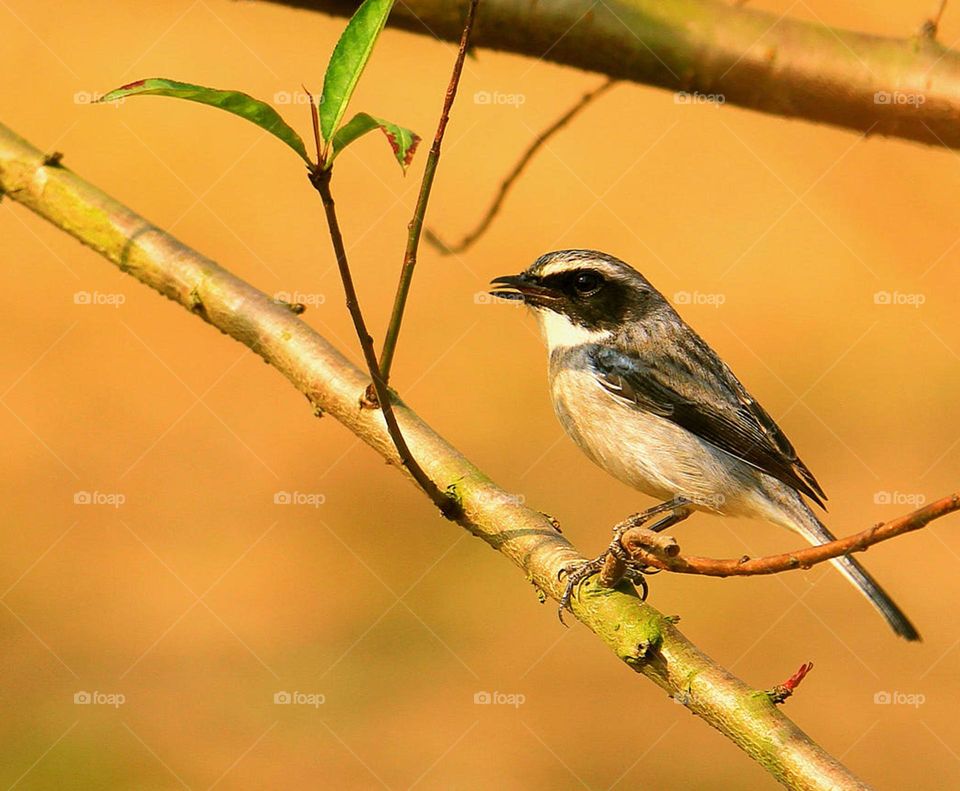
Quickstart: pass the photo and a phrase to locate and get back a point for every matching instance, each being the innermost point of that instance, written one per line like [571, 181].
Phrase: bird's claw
[576, 573]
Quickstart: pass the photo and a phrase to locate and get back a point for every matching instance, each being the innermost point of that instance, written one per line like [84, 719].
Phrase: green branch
[637, 633]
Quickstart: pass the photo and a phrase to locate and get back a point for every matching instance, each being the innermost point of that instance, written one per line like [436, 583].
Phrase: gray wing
[692, 387]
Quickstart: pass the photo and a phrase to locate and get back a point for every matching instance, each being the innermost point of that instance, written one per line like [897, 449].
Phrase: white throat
[559, 332]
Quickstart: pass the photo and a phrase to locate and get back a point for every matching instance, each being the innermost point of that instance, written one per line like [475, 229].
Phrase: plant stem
[416, 224]
[481, 228]
[320, 179]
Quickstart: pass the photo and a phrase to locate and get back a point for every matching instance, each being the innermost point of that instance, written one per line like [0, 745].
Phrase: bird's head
[581, 296]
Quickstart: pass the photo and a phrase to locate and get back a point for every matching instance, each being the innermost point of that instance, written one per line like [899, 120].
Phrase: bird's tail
[812, 529]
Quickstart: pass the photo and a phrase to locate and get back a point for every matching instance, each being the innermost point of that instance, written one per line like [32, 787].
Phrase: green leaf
[402, 140]
[260, 113]
[349, 58]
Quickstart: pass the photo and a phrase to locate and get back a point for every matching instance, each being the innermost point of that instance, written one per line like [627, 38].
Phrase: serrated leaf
[402, 140]
[349, 58]
[260, 113]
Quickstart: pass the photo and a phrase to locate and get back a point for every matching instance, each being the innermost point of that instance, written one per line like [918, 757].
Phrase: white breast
[646, 451]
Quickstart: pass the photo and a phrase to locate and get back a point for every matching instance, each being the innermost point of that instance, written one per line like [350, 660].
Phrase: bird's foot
[576, 573]
[621, 564]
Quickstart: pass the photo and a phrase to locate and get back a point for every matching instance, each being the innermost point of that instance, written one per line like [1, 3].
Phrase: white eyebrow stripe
[572, 264]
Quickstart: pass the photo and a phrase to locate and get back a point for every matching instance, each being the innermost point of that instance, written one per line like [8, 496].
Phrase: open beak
[525, 288]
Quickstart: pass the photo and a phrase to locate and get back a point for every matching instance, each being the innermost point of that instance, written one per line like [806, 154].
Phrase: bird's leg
[578, 572]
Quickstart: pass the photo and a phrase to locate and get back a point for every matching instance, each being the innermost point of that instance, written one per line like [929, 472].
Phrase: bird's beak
[525, 288]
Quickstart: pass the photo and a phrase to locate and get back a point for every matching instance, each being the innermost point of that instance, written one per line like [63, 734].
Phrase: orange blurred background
[198, 599]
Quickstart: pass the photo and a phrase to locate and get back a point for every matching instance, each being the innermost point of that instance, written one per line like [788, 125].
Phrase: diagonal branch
[639, 635]
[905, 87]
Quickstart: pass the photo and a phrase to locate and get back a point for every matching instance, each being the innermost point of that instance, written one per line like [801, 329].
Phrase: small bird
[651, 403]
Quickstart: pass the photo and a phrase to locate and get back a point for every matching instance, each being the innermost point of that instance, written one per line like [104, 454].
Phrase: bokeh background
[198, 598]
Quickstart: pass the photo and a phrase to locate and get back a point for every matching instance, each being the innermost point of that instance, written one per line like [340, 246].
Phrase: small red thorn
[783, 691]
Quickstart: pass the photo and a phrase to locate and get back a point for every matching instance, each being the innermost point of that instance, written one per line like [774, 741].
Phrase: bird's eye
[587, 283]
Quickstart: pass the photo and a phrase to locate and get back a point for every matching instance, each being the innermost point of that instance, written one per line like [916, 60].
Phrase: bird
[648, 400]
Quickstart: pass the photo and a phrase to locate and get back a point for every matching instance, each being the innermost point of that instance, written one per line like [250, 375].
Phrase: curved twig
[481, 227]
[651, 549]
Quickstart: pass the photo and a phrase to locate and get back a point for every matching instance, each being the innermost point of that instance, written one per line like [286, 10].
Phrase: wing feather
[694, 389]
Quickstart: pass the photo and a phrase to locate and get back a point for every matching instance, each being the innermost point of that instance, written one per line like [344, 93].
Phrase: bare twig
[931, 26]
[481, 228]
[419, 212]
[320, 178]
[637, 543]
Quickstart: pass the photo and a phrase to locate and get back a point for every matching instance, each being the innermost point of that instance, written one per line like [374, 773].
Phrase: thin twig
[638, 545]
[931, 26]
[481, 228]
[320, 178]
[416, 224]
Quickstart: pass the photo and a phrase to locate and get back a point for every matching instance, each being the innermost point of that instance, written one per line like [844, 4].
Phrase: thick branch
[753, 58]
[638, 634]
[655, 550]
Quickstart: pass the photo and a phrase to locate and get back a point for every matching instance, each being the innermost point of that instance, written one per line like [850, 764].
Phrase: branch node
[369, 400]
[783, 691]
[657, 544]
[54, 160]
[297, 308]
[196, 302]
